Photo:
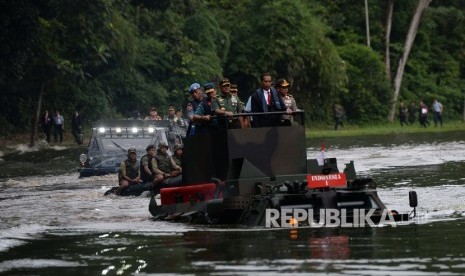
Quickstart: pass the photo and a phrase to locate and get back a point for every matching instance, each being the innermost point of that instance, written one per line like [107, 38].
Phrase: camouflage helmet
[177, 146]
[132, 150]
[162, 144]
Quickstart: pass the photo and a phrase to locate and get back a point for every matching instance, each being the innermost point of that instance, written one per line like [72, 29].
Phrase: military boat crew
[164, 166]
[147, 163]
[129, 172]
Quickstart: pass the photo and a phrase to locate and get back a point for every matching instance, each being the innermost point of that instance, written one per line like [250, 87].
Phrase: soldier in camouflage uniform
[177, 156]
[228, 105]
[165, 166]
[147, 163]
[129, 173]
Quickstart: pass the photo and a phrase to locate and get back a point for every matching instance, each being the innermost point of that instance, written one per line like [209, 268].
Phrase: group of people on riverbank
[408, 114]
[57, 122]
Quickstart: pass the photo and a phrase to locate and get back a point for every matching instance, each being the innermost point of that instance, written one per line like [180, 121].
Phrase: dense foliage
[107, 58]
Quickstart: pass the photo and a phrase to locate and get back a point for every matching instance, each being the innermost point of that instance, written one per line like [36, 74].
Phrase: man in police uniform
[164, 167]
[228, 105]
[147, 163]
[282, 86]
[129, 173]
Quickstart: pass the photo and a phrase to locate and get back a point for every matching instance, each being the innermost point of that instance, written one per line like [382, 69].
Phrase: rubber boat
[241, 176]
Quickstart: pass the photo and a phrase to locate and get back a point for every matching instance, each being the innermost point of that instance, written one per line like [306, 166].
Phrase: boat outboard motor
[413, 201]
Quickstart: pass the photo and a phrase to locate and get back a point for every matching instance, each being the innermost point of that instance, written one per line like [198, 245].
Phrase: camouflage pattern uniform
[230, 103]
[130, 169]
[164, 164]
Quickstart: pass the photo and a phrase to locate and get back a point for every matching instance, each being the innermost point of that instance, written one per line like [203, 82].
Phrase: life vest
[164, 163]
[132, 169]
[143, 174]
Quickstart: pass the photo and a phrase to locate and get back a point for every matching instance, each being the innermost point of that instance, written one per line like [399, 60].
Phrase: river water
[53, 223]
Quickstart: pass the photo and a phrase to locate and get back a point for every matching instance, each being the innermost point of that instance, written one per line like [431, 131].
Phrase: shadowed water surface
[54, 223]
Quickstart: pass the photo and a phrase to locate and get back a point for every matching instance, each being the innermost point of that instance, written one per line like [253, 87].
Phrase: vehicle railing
[300, 114]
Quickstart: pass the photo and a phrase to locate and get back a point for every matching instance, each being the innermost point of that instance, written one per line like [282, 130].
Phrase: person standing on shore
[402, 114]
[412, 110]
[437, 112]
[76, 127]
[58, 126]
[46, 122]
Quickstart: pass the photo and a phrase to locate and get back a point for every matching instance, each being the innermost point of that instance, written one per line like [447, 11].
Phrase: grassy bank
[313, 131]
[318, 131]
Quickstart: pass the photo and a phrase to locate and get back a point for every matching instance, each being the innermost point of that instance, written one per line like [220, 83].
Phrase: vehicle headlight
[101, 130]
[134, 130]
[118, 130]
[83, 158]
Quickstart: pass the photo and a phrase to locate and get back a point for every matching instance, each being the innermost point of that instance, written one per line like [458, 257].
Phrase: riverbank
[327, 131]
[313, 131]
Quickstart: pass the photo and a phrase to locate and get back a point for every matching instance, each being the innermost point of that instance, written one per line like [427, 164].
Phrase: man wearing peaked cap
[289, 102]
[203, 114]
[228, 105]
[225, 82]
[209, 88]
[234, 89]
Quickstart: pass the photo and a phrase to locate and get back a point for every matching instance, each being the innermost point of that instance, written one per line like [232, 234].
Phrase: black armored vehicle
[110, 140]
[262, 177]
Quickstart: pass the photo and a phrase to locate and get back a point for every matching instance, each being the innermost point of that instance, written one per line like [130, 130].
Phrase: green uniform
[129, 169]
[177, 160]
[230, 103]
[164, 164]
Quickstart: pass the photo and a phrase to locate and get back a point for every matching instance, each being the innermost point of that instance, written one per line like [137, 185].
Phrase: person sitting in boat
[129, 173]
[167, 172]
[177, 156]
[203, 114]
[147, 163]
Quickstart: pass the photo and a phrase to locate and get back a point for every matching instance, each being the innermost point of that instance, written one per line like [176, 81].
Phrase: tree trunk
[463, 117]
[35, 121]
[387, 58]
[412, 32]
[367, 23]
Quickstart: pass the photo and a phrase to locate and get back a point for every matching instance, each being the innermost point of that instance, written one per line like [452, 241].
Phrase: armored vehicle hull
[262, 177]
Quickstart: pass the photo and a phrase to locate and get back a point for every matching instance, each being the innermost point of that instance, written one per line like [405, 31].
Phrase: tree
[413, 29]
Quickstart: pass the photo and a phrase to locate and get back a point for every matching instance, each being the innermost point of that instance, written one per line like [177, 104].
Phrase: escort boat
[241, 176]
[111, 139]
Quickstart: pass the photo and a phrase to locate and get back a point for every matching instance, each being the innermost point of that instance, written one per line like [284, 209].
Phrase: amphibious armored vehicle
[241, 176]
[110, 140]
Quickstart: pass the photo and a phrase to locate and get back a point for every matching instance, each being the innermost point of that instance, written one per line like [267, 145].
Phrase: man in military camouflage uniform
[282, 86]
[165, 167]
[177, 156]
[129, 173]
[147, 163]
[228, 105]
